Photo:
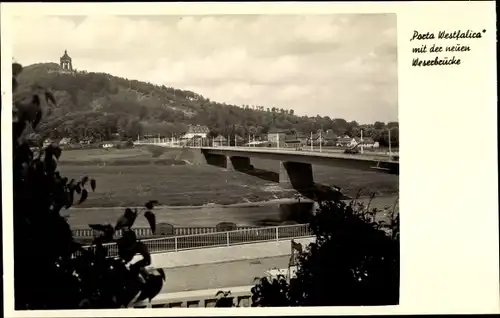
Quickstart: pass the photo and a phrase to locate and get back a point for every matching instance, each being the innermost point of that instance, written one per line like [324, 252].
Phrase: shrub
[51, 270]
[354, 262]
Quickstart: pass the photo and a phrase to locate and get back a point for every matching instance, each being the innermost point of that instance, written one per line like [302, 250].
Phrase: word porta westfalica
[445, 35]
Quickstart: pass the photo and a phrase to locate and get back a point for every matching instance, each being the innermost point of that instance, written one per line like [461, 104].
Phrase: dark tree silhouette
[51, 270]
[354, 262]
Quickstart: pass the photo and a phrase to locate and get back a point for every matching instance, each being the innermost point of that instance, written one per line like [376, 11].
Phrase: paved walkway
[220, 275]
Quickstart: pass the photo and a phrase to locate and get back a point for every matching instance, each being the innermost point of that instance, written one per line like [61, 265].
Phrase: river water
[278, 212]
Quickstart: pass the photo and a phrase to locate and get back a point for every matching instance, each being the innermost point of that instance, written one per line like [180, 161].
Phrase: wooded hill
[99, 104]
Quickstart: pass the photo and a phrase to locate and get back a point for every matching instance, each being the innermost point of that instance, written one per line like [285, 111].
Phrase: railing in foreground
[146, 231]
[229, 238]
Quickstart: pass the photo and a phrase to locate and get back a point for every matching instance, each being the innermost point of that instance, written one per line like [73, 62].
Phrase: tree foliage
[100, 105]
[51, 270]
[354, 261]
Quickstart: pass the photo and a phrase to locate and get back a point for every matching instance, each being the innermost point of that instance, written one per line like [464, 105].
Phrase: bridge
[295, 167]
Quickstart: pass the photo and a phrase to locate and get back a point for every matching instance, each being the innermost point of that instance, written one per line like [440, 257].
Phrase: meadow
[130, 177]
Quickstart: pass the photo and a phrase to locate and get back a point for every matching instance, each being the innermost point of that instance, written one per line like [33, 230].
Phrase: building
[292, 142]
[239, 141]
[276, 135]
[345, 141]
[198, 130]
[303, 139]
[367, 142]
[220, 141]
[66, 63]
[330, 138]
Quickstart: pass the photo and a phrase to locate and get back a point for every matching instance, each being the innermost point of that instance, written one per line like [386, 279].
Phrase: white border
[449, 173]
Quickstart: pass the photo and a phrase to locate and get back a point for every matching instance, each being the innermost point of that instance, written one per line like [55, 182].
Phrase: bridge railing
[217, 239]
[145, 232]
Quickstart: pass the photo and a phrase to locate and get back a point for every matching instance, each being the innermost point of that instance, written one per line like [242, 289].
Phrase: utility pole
[311, 141]
[361, 141]
[320, 141]
[390, 152]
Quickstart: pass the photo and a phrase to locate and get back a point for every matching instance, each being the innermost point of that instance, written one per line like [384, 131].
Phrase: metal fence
[229, 238]
[145, 232]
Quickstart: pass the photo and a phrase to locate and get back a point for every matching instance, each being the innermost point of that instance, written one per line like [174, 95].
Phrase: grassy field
[130, 177]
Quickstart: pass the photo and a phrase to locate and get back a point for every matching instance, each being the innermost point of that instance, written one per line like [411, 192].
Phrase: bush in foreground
[47, 272]
[354, 262]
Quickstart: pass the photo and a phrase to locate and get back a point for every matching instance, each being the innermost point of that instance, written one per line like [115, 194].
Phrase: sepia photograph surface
[167, 157]
[219, 160]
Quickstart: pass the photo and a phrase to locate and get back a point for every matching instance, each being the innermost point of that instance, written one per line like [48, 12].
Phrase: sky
[342, 66]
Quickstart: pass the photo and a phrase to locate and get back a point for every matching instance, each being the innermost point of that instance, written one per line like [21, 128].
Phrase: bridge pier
[238, 163]
[235, 163]
[296, 175]
[216, 160]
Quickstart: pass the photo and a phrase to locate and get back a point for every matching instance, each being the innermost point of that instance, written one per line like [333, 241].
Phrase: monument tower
[66, 64]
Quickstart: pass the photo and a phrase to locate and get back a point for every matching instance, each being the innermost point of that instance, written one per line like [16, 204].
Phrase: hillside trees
[104, 98]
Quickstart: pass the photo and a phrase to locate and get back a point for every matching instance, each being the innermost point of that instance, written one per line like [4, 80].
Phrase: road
[220, 275]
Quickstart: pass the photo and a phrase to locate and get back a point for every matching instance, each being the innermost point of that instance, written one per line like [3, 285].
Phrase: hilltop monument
[66, 64]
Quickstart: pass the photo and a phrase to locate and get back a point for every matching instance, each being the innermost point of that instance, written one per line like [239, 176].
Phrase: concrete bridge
[295, 167]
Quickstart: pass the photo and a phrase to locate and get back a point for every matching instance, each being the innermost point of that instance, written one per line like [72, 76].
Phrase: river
[270, 213]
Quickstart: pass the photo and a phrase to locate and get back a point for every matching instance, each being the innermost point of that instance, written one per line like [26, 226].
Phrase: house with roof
[302, 138]
[220, 141]
[316, 138]
[367, 142]
[196, 141]
[198, 130]
[292, 141]
[330, 138]
[276, 135]
[345, 141]
[324, 137]
[238, 140]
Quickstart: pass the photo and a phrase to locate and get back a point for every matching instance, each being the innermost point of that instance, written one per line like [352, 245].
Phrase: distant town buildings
[276, 135]
[344, 141]
[196, 131]
[238, 140]
[367, 142]
[220, 141]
